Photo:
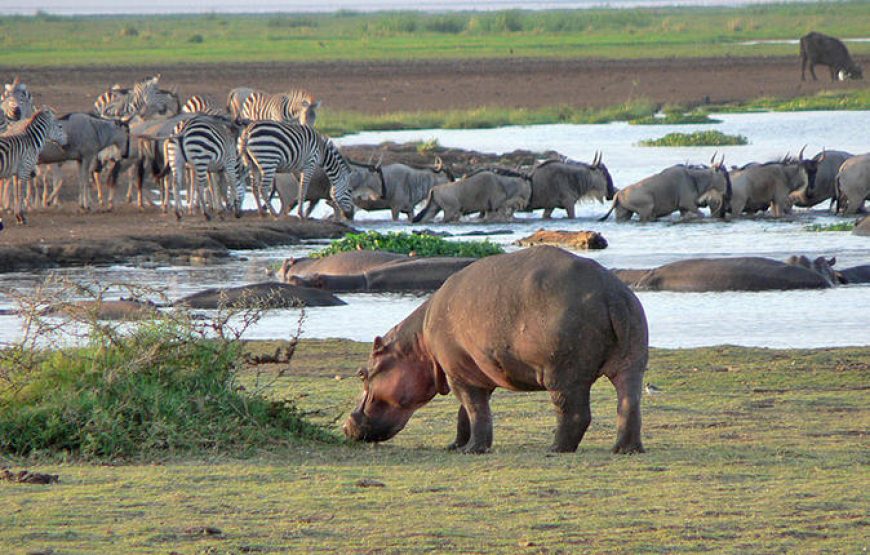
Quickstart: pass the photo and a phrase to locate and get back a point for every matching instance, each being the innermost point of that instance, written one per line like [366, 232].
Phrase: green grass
[47, 40]
[407, 243]
[749, 450]
[637, 112]
[842, 226]
[698, 138]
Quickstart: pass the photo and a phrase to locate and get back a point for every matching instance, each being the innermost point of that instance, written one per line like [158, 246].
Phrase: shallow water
[833, 317]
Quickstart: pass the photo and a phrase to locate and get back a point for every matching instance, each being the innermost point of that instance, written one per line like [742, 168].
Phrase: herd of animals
[537, 319]
[267, 144]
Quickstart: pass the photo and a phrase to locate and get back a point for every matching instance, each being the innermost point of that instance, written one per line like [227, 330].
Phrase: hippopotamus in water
[750, 273]
[408, 274]
[537, 319]
[343, 263]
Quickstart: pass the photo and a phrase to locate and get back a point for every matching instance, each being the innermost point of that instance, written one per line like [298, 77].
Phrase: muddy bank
[65, 238]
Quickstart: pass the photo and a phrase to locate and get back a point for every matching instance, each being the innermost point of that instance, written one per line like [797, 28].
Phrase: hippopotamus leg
[629, 388]
[573, 416]
[475, 401]
[463, 430]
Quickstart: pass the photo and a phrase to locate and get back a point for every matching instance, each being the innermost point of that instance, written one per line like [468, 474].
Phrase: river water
[835, 317]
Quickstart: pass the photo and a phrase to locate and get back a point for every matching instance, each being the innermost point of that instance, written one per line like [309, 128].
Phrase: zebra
[201, 104]
[208, 145]
[19, 153]
[267, 147]
[4, 123]
[16, 101]
[248, 105]
[144, 99]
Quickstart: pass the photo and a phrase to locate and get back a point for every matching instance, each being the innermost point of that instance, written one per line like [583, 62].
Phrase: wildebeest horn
[801, 153]
[713, 158]
[722, 160]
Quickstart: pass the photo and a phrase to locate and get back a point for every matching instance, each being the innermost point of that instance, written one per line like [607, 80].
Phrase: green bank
[48, 40]
[749, 450]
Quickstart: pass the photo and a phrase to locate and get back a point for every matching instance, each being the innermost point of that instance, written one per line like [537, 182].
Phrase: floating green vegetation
[857, 99]
[698, 138]
[842, 226]
[406, 243]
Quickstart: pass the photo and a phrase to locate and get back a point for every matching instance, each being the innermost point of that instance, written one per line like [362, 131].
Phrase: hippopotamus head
[397, 382]
[821, 265]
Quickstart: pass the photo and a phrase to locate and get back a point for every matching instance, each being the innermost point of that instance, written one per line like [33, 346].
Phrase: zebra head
[338, 171]
[16, 101]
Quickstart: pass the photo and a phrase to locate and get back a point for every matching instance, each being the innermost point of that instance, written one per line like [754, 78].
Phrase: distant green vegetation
[342, 122]
[675, 116]
[843, 226]
[406, 243]
[50, 40]
[698, 138]
[857, 99]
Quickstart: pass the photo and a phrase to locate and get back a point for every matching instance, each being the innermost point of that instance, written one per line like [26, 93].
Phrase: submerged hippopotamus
[343, 263]
[537, 319]
[749, 273]
[259, 295]
[408, 274]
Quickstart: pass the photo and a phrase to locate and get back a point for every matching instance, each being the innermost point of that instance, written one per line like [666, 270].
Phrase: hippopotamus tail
[431, 207]
[612, 208]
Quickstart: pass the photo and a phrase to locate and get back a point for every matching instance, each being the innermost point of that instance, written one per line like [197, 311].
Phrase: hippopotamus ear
[378, 346]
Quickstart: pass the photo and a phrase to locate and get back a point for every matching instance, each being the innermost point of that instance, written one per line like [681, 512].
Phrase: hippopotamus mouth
[359, 428]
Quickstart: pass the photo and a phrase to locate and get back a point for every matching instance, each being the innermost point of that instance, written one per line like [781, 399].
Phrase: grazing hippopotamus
[537, 319]
[734, 274]
[343, 263]
[410, 274]
[260, 295]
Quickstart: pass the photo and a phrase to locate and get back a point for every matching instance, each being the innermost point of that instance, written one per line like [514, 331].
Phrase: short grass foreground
[749, 450]
[698, 138]
[408, 243]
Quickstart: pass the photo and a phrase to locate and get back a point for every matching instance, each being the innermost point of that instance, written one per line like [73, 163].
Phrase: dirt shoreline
[67, 238]
[389, 86]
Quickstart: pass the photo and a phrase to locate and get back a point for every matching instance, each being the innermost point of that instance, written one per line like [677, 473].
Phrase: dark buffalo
[537, 319]
[820, 49]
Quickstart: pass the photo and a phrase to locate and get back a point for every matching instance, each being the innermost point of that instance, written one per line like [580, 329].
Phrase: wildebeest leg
[569, 208]
[476, 403]
[84, 187]
[834, 72]
[573, 416]
[629, 388]
[463, 430]
[548, 213]
[813, 71]
[394, 212]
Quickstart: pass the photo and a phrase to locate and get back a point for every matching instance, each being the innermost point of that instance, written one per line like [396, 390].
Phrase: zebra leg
[202, 178]
[307, 171]
[266, 184]
[17, 200]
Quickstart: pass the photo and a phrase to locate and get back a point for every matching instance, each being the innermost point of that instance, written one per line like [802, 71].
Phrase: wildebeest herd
[203, 156]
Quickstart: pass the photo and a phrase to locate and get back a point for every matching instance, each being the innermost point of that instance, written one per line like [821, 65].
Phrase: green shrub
[406, 243]
[842, 226]
[196, 39]
[698, 138]
[159, 388]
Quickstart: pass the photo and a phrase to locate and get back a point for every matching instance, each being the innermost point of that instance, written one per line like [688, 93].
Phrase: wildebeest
[492, 194]
[405, 187]
[365, 180]
[853, 184]
[679, 187]
[561, 183]
[817, 48]
[87, 135]
[758, 187]
[828, 164]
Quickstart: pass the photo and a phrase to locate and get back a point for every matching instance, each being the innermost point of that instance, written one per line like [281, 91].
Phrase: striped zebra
[145, 99]
[19, 153]
[16, 101]
[268, 147]
[4, 123]
[201, 104]
[245, 104]
[206, 144]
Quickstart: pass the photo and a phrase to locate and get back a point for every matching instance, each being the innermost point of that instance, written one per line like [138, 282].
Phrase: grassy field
[46, 40]
[749, 450]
